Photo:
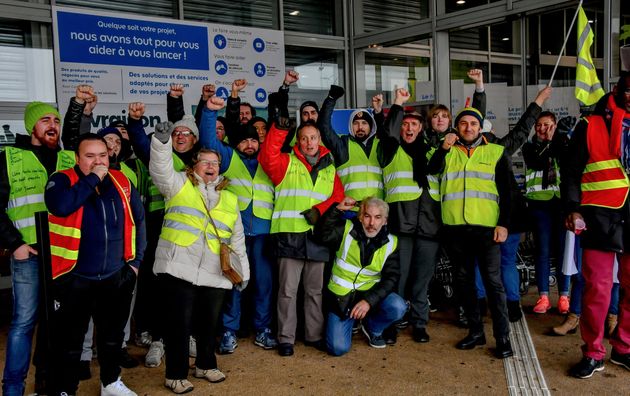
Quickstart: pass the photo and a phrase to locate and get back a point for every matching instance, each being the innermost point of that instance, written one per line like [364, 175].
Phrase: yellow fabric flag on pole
[588, 89]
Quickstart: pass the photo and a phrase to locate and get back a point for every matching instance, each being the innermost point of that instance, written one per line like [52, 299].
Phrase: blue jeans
[339, 330]
[25, 282]
[548, 233]
[509, 274]
[260, 264]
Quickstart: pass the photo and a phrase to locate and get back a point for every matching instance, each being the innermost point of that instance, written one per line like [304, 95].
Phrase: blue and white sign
[261, 95]
[132, 58]
[260, 70]
[219, 41]
[259, 45]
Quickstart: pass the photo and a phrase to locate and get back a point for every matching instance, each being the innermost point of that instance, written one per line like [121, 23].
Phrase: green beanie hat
[34, 111]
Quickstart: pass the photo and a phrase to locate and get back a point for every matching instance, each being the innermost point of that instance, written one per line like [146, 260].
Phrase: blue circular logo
[221, 67]
[222, 92]
[261, 95]
[260, 70]
[220, 41]
[259, 45]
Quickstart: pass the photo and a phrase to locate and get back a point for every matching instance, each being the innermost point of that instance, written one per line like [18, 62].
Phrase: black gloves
[335, 92]
[163, 131]
[311, 215]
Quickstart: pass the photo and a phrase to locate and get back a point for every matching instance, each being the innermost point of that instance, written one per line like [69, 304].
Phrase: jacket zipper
[106, 238]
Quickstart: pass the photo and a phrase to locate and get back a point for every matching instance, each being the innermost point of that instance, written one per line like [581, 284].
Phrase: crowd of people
[212, 223]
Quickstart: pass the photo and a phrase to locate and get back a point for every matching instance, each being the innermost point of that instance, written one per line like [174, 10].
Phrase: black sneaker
[586, 367]
[125, 360]
[375, 341]
[620, 359]
[84, 370]
[514, 311]
[390, 335]
[402, 324]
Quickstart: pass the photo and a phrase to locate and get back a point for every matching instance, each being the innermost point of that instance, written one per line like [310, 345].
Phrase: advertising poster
[135, 59]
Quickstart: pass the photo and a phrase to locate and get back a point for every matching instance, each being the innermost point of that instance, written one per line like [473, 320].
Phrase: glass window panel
[26, 69]
[163, 8]
[475, 38]
[459, 5]
[316, 17]
[383, 14]
[318, 68]
[505, 37]
[552, 32]
[256, 13]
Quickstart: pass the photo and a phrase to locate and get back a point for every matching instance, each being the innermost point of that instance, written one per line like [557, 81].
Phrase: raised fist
[476, 75]
[291, 77]
[215, 103]
[335, 92]
[377, 103]
[207, 91]
[401, 96]
[177, 90]
[136, 110]
[239, 85]
[84, 94]
[90, 105]
[163, 131]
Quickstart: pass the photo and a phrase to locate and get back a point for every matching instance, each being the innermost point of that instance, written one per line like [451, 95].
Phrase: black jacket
[329, 230]
[605, 228]
[10, 237]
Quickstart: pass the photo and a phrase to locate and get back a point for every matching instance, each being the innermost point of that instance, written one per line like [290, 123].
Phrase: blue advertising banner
[105, 40]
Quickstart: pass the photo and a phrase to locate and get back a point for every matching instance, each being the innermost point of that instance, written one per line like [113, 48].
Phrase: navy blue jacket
[102, 246]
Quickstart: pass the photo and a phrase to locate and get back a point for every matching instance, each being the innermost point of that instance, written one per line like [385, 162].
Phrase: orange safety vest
[604, 181]
[65, 232]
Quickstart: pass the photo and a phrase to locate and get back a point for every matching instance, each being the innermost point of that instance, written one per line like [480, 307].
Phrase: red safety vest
[65, 232]
[604, 181]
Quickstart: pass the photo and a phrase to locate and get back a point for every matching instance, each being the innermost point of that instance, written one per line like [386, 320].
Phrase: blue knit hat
[470, 111]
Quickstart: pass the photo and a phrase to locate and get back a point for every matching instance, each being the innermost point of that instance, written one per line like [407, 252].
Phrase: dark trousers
[418, 257]
[148, 308]
[467, 245]
[75, 300]
[189, 309]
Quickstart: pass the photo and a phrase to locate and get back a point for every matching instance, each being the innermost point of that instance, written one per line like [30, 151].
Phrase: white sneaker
[192, 347]
[116, 388]
[212, 375]
[155, 354]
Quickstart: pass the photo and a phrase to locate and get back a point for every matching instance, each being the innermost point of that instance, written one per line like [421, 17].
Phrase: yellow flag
[588, 89]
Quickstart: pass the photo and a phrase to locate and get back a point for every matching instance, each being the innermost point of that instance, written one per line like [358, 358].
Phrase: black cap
[309, 103]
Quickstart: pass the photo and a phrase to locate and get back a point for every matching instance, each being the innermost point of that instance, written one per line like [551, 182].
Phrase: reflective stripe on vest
[186, 218]
[258, 189]
[468, 189]
[347, 272]
[27, 181]
[434, 180]
[65, 232]
[534, 185]
[297, 193]
[398, 179]
[604, 182]
[361, 175]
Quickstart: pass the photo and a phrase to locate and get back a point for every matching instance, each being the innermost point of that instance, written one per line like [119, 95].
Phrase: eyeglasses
[181, 133]
[207, 162]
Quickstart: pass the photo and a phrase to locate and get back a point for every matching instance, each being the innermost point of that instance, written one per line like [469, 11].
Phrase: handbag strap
[203, 200]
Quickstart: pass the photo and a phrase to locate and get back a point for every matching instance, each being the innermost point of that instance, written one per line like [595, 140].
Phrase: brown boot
[569, 325]
[611, 324]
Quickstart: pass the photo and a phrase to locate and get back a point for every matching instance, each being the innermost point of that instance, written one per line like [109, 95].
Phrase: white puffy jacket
[195, 263]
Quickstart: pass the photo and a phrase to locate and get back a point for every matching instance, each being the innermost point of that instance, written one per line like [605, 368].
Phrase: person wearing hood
[594, 191]
[306, 185]
[357, 153]
[199, 214]
[255, 193]
[114, 139]
[37, 155]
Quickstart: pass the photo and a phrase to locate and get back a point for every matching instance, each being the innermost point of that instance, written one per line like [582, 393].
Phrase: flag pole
[555, 68]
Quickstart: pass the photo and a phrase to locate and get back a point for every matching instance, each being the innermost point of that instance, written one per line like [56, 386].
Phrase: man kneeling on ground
[364, 274]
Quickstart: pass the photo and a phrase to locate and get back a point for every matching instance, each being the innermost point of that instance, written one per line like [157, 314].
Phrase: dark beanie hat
[307, 104]
[108, 131]
[470, 111]
[222, 120]
[257, 119]
[244, 132]
[414, 114]
[118, 124]
[363, 115]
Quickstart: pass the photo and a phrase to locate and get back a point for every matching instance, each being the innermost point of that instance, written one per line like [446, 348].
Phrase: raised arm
[479, 96]
[233, 109]
[175, 103]
[208, 134]
[140, 142]
[273, 161]
[207, 91]
[71, 130]
[337, 145]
